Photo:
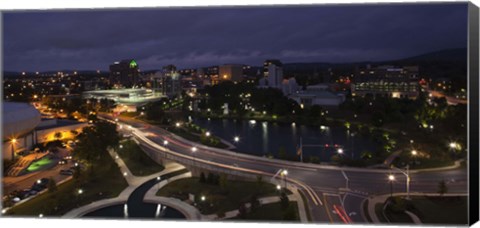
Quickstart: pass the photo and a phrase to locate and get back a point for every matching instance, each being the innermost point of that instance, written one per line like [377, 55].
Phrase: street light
[203, 198]
[453, 145]
[177, 124]
[407, 175]
[391, 179]
[414, 153]
[158, 180]
[13, 141]
[284, 174]
[236, 139]
[80, 191]
[194, 149]
[165, 142]
[207, 134]
[340, 151]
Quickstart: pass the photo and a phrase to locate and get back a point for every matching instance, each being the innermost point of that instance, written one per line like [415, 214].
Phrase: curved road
[323, 186]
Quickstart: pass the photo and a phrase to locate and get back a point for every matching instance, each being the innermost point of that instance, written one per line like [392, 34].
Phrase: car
[66, 172]
[23, 194]
[62, 162]
[38, 188]
[32, 192]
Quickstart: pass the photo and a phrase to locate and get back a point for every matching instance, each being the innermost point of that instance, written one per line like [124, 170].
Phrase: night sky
[193, 37]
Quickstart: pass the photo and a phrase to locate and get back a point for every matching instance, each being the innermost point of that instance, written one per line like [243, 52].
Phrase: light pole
[13, 141]
[284, 174]
[391, 178]
[414, 155]
[194, 149]
[407, 175]
[165, 143]
[236, 139]
[158, 182]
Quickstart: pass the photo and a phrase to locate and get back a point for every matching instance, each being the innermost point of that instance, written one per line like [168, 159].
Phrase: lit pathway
[193, 213]
[133, 183]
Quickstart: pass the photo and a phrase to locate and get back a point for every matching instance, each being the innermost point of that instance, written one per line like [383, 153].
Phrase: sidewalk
[193, 213]
[133, 183]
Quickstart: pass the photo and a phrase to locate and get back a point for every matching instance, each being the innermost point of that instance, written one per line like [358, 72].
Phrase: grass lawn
[444, 210]
[270, 212]
[217, 199]
[430, 210]
[139, 163]
[103, 182]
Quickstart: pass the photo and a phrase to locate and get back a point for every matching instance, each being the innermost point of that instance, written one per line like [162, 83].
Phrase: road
[318, 183]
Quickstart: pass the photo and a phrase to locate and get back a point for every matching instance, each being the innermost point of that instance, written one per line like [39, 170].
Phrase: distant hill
[448, 55]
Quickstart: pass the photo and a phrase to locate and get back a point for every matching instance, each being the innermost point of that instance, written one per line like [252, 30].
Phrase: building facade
[390, 81]
[124, 73]
[231, 72]
[273, 73]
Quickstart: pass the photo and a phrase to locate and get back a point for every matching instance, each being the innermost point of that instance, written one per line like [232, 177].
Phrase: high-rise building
[273, 73]
[231, 72]
[124, 73]
[171, 83]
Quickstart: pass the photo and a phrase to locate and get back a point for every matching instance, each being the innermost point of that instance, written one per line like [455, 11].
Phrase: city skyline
[190, 37]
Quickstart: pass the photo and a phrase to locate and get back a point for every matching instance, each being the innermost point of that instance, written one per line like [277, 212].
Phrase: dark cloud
[189, 37]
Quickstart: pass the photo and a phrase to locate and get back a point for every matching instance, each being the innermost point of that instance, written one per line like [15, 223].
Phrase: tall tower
[124, 73]
[273, 72]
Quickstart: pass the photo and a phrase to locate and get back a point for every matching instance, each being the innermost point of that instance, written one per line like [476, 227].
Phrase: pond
[263, 138]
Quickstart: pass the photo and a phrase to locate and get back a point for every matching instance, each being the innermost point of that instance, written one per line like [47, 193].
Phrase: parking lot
[21, 184]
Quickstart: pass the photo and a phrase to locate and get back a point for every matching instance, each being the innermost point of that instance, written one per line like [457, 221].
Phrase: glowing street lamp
[207, 134]
[414, 153]
[340, 151]
[236, 139]
[165, 142]
[177, 124]
[13, 141]
[284, 174]
[203, 198]
[391, 179]
[80, 191]
[453, 145]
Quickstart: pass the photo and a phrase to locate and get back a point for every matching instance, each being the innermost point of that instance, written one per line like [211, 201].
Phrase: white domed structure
[19, 122]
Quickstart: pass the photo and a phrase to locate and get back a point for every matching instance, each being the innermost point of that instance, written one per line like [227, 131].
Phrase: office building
[124, 73]
[390, 81]
[231, 72]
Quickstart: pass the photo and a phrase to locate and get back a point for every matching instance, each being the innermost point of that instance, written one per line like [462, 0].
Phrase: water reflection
[264, 138]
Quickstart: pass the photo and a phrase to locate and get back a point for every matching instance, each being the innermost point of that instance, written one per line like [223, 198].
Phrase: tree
[442, 187]
[242, 211]
[202, 178]
[223, 182]
[259, 181]
[52, 185]
[284, 202]
[290, 214]
[282, 154]
[254, 203]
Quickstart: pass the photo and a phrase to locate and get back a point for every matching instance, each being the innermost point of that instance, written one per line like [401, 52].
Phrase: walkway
[193, 213]
[133, 183]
